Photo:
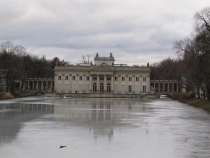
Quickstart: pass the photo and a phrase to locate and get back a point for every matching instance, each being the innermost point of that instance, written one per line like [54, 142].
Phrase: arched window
[94, 88]
[101, 88]
[108, 88]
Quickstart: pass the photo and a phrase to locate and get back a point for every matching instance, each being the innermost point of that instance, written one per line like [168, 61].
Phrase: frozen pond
[35, 127]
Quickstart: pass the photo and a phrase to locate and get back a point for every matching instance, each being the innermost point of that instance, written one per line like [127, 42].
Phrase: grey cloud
[138, 29]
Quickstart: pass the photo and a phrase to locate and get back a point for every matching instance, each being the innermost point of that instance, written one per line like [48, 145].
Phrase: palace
[102, 76]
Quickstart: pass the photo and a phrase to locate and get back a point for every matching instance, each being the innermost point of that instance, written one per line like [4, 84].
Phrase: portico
[102, 79]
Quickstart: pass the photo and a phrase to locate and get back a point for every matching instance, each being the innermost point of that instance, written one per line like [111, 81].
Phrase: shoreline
[198, 103]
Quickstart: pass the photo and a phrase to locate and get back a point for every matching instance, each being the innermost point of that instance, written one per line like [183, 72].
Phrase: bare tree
[85, 59]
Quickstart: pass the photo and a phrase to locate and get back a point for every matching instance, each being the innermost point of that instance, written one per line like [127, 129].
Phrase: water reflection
[90, 127]
[100, 115]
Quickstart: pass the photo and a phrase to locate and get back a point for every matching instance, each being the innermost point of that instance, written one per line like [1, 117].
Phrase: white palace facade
[104, 76]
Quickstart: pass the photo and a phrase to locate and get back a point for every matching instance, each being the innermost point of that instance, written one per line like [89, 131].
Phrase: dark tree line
[195, 53]
[192, 67]
[17, 65]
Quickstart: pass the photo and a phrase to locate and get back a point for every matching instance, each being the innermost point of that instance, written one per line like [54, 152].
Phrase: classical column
[24, 88]
[98, 83]
[105, 85]
[42, 86]
[168, 87]
[46, 85]
[91, 83]
[172, 87]
[159, 87]
[112, 82]
[177, 88]
[163, 87]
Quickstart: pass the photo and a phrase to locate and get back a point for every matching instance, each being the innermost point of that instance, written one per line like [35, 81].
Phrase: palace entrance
[94, 88]
[108, 88]
[101, 88]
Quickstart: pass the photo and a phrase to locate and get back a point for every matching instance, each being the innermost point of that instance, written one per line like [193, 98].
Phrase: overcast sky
[135, 31]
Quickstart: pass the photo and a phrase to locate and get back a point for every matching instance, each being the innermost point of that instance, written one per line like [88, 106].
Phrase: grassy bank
[191, 100]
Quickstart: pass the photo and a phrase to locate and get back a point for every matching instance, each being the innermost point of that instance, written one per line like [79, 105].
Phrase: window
[137, 78]
[144, 78]
[130, 78]
[108, 88]
[73, 89]
[101, 78]
[80, 88]
[87, 88]
[115, 78]
[59, 88]
[59, 77]
[66, 88]
[87, 78]
[115, 89]
[137, 90]
[129, 89]
[108, 78]
[80, 78]
[66, 77]
[123, 78]
[94, 88]
[144, 89]
[94, 78]
[73, 77]
[122, 89]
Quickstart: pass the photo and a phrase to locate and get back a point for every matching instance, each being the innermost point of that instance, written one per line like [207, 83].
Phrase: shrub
[179, 96]
[191, 95]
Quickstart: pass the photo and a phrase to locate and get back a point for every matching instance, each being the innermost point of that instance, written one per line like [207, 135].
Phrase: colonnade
[45, 84]
[168, 86]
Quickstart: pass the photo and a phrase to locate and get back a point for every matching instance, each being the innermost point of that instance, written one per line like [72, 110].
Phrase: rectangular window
[115, 89]
[59, 88]
[144, 78]
[87, 88]
[137, 78]
[137, 90]
[144, 89]
[108, 78]
[123, 78]
[80, 78]
[73, 77]
[73, 89]
[130, 78]
[66, 77]
[115, 78]
[87, 78]
[101, 78]
[66, 88]
[129, 89]
[122, 89]
[80, 88]
[94, 78]
[59, 77]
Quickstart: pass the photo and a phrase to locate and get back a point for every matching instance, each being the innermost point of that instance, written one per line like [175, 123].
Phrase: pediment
[101, 68]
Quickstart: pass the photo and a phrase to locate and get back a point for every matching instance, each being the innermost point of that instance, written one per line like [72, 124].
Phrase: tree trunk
[208, 92]
[22, 84]
[198, 91]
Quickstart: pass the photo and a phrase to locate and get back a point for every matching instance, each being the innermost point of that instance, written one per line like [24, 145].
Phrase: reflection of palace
[99, 115]
[99, 109]
[28, 107]
[102, 77]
